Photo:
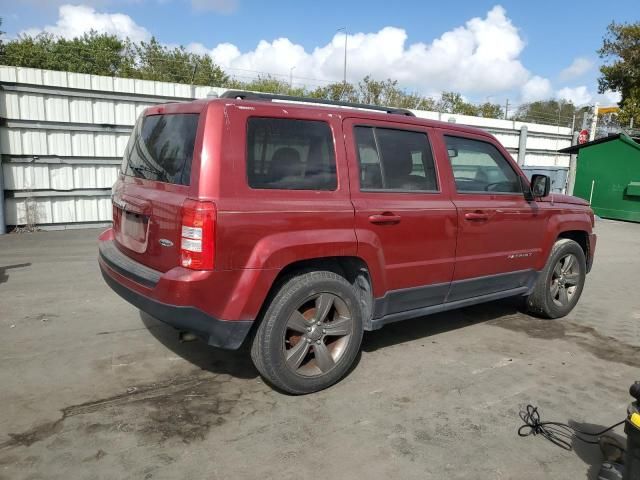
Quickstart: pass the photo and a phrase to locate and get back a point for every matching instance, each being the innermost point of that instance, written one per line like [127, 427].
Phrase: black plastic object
[611, 471]
[634, 391]
[632, 458]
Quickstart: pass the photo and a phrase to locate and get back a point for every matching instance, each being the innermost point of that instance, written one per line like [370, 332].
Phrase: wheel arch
[581, 237]
[571, 225]
[354, 269]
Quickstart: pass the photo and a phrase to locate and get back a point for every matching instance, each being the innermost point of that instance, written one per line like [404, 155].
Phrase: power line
[142, 68]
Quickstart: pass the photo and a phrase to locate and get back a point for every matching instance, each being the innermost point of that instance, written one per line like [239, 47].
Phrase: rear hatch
[153, 184]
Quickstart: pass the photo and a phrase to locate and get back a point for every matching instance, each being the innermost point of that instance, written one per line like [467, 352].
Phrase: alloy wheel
[317, 334]
[564, 280]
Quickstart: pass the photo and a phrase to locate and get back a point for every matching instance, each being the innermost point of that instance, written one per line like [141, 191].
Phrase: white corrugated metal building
[63, 134]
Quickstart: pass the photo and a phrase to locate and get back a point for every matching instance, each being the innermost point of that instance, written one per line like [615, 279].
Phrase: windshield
[161, 148]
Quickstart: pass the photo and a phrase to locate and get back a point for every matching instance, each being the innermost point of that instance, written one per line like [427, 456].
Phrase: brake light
[197, 249]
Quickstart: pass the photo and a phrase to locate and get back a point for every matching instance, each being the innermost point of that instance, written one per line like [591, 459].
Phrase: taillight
[197, 249]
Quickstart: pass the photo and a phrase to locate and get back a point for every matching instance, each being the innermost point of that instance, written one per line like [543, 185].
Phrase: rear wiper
[140, 169]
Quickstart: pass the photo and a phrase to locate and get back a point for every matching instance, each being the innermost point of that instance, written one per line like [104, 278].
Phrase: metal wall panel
[58, 176]
[81, 110]
[125, 113]
[60, 210]
[56, 109]
[61, 176]
[31, 107]
[104, 112]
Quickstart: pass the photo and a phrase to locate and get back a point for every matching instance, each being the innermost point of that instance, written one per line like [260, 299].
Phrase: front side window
[391, 159]
[479, 167]
[290, 154]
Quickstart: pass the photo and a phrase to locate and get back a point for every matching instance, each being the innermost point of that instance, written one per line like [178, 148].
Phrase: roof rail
[244, 95]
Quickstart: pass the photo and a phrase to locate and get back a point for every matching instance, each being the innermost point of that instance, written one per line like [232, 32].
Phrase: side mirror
[540, 185]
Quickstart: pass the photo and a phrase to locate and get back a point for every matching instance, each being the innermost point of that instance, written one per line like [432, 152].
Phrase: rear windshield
[161, 148]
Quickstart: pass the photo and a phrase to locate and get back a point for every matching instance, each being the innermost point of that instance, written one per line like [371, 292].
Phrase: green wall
[612, 166]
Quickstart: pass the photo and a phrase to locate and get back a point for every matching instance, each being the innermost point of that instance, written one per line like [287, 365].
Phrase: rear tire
[310, 333]
[560, 284]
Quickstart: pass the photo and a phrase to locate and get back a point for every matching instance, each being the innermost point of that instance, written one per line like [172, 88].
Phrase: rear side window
[290, 154]
[399, 160]
[161, 148]
[478, 167]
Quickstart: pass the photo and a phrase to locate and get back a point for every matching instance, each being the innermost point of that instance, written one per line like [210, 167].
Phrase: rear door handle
[476, 216]
[385, 218]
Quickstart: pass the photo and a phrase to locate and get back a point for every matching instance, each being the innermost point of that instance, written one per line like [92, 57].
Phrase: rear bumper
[171, 298]
[218, 333]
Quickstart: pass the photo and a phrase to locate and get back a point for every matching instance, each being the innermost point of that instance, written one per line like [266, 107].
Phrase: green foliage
[92, 53]
[267, 84]
[153, 61]
[552, 112]
[387, 92]
[338, 91]
[621, 50]
[103, 54]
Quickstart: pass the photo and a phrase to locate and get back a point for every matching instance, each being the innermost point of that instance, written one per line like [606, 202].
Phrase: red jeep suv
[298, 224]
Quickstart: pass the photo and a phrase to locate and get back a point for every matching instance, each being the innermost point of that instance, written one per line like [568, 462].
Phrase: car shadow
[430, 325]
[589, 453]
[4, 276]
[236, 363]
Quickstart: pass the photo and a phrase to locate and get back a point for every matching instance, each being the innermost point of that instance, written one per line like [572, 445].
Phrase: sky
[486, 50]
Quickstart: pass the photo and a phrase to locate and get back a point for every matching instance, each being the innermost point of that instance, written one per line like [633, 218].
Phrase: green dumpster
[608, 176]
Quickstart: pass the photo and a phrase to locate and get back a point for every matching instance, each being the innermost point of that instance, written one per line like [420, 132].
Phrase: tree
[338, 91]
[104, 54]
[490, 110]
[453, 102]
[621, 49]
[552, 112]
[1, 40]
[98, 54]
[267, 84]
[154, 61]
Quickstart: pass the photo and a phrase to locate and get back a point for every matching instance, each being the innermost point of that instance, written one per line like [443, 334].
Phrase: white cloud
[74, 20]
[578, 67]
[478, 58]
[217, 6]
[536, 88]
[608, 98]
[577, 95]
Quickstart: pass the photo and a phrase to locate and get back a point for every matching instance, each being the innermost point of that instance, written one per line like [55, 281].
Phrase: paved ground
[90, 388]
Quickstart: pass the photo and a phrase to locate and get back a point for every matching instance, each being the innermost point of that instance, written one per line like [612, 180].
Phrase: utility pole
[559, 111]
[571, 177]
[344, 69]
[594, 123]
[506, 109]
[291, 76]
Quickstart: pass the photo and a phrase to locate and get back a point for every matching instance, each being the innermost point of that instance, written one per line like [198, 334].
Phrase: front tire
[310, 334]
[560, 284]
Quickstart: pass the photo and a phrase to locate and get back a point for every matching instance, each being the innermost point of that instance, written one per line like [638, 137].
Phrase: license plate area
[133, 231]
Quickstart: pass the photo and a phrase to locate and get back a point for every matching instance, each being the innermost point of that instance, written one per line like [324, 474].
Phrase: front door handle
[476, 216]
[385, 218]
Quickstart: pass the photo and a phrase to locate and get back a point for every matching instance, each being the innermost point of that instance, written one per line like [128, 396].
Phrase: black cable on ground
[557, 433]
